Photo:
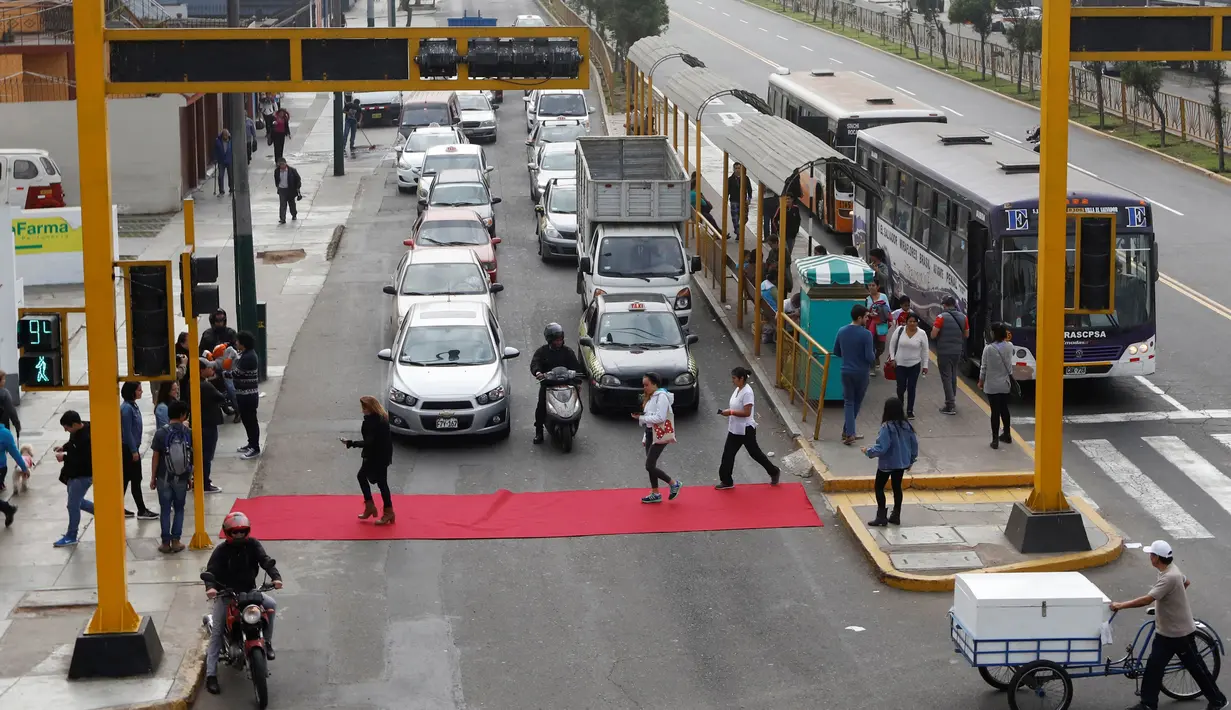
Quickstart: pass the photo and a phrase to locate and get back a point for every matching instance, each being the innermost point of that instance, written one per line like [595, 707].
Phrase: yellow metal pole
[739, 247]
[783, 257]
[722, 244]
[628, 96]
[648, 113]
[687, 172]
[675, 127]
[665, 112]
[756, 284]
[200, 538]
[697, 168]
[114, 613]
[1053, 171]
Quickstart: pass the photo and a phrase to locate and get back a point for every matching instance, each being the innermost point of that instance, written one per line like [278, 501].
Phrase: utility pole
[393, 15]
[339, 167]
[371, 13]
[241, 203]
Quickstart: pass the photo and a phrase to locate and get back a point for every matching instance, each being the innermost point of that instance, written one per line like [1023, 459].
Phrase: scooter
[243, 638]
[563, 406]
[1034, 137]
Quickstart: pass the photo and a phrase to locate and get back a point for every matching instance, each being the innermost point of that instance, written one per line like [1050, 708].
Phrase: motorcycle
[243, 638]
[1034, 137]
[563, 406]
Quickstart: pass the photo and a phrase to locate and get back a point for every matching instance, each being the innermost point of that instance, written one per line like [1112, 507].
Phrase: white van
[29, 179]
[637, 258]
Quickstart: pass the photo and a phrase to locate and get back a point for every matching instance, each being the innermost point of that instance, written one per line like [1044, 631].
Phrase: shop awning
[834, 270]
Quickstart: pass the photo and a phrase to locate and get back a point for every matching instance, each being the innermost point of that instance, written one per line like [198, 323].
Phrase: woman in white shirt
[741, 432]
[908, 351]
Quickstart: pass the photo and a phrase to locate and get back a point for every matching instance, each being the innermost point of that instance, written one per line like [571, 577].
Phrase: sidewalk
[959, 493]
[47, 594]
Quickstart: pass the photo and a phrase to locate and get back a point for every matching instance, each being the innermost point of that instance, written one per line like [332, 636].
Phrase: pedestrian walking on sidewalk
[77, 474]
[1175, 631]
[657, 420]
[8, 419]
[212, 402]
[895, 450]
[247, 393]
[130, 448]
[739, 193]
[908, 351]
[350, 124]
[222, 160]
[8, 447]
[996, 381]
[171, 474]
[878, 322]
[742, 432]
[949, 332]
[250, 134]
[377, 445]
[267, 116]
[168, 392]
[288, 183]
[280, 133]
[853, 344]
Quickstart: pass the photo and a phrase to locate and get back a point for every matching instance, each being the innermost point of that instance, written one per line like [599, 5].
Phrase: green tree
[936, 22]
[1146, 78]
[906, 18]
[1098, 69]
[1025, 35]
[1216, 74]
[978, 14]
[627, 21]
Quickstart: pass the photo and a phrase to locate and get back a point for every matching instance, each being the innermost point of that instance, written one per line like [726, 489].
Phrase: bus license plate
[1074, 371]
[446, 423]
[376, 115]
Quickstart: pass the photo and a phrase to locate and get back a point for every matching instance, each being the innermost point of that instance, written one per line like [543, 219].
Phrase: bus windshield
[1020, 283]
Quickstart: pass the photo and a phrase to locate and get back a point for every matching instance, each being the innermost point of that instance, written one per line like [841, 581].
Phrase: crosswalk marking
[1141, 488]
[1192, 464]
[1223, 438]
[1070, 486]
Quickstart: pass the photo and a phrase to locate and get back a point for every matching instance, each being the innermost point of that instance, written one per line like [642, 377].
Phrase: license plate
[446, 423]
[376, 115]
[1074, 370]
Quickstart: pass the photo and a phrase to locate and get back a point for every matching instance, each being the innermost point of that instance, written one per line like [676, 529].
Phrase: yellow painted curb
[911, 582]
[1195, 168]
[932, 482]
[187, 682]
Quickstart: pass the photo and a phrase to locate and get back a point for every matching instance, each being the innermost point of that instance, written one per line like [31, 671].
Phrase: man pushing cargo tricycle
[1032, 633]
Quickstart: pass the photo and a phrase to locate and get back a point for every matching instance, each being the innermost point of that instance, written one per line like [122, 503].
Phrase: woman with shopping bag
[657, 420]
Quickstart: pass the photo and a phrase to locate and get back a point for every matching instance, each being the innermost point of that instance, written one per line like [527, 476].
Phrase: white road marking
[1070, 486]
[784, 39]
[905, 91]
[1188, 415]
[1162, 507]
[727, 14]
[1008, 138]
[835, 61]
[1203, 473]
[1156, 203]
[809, 49]
[870, 76]
[952, 111]
[1159, 391]
[1082, 170]
[744, 21]
[1222, 438]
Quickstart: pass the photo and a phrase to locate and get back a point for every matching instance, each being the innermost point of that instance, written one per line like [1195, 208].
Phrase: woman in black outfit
[377, 448]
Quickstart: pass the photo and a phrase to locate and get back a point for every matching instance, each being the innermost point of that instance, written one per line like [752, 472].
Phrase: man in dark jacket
[286, 180]
[735, 195]
[222, 160]
[233, 565]
[212, 403]
[219, 333]
[77, 474]
[548, 357]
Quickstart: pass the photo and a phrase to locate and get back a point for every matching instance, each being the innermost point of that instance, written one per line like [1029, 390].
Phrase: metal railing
[801, 360]
[37, 23]
[29, 86]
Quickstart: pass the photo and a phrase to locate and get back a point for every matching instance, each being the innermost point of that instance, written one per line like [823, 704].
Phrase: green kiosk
[829, 285]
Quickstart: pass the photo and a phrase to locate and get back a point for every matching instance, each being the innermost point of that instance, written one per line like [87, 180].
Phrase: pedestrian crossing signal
[43, 370]
[40, 337]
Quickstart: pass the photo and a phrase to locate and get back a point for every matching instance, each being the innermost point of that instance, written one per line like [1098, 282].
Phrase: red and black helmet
[236, 523]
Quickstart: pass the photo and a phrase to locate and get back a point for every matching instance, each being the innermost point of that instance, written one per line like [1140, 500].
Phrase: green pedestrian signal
[41, 365]
[40, 371]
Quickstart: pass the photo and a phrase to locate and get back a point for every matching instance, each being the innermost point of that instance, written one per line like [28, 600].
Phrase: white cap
[1159, 547]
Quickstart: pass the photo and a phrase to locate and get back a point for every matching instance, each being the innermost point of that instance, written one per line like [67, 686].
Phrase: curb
[187, 682]
[331, 250]
[1195, 168]
[910, 582]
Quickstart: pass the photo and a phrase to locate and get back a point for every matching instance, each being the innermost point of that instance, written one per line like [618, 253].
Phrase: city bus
[834, 106]
[958, 215]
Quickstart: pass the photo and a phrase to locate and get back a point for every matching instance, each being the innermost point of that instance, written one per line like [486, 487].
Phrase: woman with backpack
[658, 429]
[896, 449]
[130, 447]
[377, 445]
[171, 474]
[878, 320]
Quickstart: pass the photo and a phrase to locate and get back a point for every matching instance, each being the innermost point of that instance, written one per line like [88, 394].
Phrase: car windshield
[459, 195]
[640, 257]
[562, 105]
[419, 141]
[473, 103]
[425, 115]
[443, 280]
[566, 161]
[561, 134]
[563, 200]
[452, 233]
[448, 346]
[450, 161]
[643, 329]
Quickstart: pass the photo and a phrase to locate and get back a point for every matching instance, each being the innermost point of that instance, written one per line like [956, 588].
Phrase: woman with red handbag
[908, 358]
[658, 422]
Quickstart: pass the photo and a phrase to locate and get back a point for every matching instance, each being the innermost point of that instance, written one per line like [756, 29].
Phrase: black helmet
[552, 332]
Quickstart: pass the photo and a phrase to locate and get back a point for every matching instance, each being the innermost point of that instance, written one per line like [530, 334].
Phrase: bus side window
[906, 202]
[889, 181]
[923, 209]
[957, 255]
[963, 217]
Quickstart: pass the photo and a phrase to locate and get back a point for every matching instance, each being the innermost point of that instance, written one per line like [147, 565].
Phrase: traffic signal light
[1093, 285]
[201, 283]
[147, 295]
[41, 364]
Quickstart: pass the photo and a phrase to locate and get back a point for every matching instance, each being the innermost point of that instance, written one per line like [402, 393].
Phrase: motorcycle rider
[548, 357]
[234, 566]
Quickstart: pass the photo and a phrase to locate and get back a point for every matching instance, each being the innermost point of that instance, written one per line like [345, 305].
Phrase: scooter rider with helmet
[548, 357]
[234, 566]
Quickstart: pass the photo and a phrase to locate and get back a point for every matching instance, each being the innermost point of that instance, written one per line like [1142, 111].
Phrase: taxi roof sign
[636, 306]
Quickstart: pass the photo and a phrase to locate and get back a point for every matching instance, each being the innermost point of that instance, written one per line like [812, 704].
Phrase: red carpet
[505, 515]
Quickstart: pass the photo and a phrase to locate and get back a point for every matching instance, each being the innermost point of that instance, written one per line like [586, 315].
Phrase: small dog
[23, 479]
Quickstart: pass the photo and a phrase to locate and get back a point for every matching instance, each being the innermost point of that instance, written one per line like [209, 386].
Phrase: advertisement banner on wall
[48, 244]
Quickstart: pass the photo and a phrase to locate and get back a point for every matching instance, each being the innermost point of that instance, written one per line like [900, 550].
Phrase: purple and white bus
[958, 215]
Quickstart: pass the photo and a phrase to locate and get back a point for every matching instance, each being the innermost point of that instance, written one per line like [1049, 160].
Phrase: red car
[455, 228]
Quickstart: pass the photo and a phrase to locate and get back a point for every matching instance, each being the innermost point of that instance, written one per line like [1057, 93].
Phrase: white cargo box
[1011, 619]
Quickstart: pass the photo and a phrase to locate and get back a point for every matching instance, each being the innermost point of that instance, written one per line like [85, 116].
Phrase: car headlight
[487, 221]
[252, 614]
[550, 231]
[397, 396]
[685, 379]
[487, 124]
[489, 265]
[609, 381]
[683, 300]
[422, 194]
[491, 396]
[1138, 348]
